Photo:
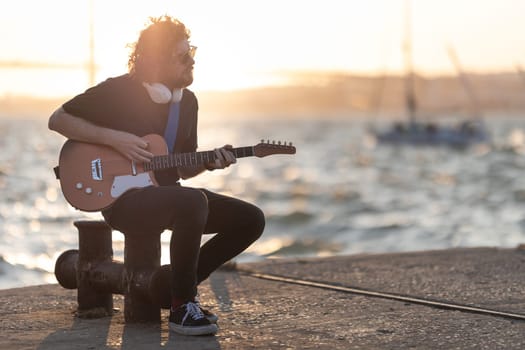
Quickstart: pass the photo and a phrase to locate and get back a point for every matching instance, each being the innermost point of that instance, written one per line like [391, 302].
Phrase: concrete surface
[261, 314]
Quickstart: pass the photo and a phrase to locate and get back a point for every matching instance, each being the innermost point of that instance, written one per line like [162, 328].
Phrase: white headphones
[159, 93]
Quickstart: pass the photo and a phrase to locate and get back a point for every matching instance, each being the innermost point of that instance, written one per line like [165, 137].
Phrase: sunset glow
[250, 43]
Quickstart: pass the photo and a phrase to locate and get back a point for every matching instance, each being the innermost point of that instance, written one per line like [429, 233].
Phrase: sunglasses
[186, 57]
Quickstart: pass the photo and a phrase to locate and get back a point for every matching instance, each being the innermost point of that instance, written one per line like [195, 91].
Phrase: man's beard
[185, 80]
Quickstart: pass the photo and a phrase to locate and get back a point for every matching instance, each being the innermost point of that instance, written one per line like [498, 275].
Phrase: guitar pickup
[96, 169]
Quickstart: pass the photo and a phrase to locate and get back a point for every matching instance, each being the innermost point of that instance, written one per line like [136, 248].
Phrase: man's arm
[75, 128]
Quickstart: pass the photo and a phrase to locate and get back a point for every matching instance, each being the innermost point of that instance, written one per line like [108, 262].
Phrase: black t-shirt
[122, 103]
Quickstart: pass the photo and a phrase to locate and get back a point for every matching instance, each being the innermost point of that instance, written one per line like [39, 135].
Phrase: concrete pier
[449, 299]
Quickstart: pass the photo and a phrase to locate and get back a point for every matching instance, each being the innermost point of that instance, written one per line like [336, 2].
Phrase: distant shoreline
[338, 94]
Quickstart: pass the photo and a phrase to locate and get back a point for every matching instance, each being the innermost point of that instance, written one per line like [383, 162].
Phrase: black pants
[189, 213]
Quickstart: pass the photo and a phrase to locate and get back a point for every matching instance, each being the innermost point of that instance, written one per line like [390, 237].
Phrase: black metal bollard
[141, 260]
[91, 269]
[94, 241]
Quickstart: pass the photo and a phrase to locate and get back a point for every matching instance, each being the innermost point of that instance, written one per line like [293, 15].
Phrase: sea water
[341, 193]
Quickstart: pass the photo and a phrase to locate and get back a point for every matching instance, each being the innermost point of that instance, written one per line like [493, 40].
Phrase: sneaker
[188, 319]
[209, 315]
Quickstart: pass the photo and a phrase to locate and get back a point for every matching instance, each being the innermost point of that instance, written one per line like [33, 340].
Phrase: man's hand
[130, 146]
[224, 158]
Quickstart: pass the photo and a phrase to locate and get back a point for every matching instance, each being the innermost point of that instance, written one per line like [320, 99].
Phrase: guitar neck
[192, 159]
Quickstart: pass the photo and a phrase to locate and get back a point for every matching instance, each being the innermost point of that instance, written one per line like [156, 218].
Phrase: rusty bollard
[73, 268]
[91, 269]
[141, 260]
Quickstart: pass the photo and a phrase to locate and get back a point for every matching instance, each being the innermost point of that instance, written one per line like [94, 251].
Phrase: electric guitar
[93, 177]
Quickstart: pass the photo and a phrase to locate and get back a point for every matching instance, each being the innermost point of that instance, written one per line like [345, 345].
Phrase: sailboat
[414, 132]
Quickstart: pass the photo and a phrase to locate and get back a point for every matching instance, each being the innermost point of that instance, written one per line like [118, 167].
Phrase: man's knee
[257, 221]
[192, 210]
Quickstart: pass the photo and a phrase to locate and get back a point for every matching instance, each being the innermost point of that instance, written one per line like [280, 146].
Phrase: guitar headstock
[267, 148]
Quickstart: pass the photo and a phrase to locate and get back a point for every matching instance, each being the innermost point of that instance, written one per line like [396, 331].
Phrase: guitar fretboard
[192, 158]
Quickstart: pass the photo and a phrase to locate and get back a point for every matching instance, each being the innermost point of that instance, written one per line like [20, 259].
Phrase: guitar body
[92, 176]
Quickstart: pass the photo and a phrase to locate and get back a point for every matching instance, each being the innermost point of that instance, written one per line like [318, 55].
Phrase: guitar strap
[170, 134]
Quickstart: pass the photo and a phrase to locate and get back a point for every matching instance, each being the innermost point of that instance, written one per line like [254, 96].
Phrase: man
[121, 110]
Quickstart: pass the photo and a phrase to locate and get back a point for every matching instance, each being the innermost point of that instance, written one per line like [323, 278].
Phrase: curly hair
[155, 46]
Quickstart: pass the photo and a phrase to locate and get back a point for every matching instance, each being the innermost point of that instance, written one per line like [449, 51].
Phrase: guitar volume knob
[89, 190]
[79, 185]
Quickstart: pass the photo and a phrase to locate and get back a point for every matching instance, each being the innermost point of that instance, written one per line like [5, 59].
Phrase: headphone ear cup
[159, 93]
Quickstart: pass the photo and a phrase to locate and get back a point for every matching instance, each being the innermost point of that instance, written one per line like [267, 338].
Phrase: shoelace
[193, 310]
[197, 302]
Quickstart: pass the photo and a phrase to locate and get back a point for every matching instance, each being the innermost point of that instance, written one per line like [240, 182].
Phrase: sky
[248, 43]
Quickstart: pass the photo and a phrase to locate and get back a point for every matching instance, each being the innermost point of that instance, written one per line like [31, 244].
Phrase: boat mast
[410, 98]
[91, 66]
[521, 72]
[466, 83]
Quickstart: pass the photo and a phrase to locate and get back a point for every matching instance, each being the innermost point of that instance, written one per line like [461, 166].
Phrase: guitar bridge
[96, 169]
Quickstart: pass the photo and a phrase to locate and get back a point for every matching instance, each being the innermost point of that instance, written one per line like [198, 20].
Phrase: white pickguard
[124, 182]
